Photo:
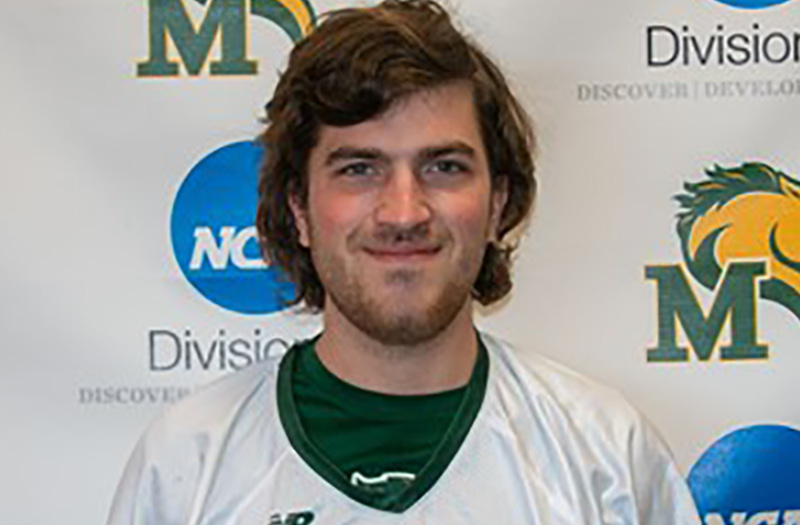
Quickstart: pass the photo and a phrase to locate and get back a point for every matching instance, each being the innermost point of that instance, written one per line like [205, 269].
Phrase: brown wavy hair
[352, 67]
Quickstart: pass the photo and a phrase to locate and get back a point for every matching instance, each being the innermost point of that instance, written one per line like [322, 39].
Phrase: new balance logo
[292, 518]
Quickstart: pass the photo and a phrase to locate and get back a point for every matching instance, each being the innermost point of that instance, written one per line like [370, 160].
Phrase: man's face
[400, 209]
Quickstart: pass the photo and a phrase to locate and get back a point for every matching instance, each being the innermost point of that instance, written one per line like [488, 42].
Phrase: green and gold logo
[740, 238]
[169, 19]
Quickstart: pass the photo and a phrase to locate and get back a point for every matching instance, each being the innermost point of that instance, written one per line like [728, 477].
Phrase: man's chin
[405, 279]
[408, 319]
[401, 331]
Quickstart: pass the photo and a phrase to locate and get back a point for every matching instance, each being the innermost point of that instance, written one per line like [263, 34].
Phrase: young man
[398, 163]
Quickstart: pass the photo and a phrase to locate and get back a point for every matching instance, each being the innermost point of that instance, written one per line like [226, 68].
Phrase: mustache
[387, 236]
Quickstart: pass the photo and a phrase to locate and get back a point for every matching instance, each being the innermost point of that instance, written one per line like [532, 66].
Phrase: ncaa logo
[752, 4]
[213, 234]
[749, 477]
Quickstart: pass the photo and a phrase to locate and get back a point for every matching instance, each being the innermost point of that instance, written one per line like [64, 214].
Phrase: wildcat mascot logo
[740, 237]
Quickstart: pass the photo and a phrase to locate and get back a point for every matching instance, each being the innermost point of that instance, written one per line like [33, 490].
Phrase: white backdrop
[93, 156]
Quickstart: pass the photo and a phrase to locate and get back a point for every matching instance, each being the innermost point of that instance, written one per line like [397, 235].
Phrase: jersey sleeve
[661, 494]
[175, 467]
[158, 482]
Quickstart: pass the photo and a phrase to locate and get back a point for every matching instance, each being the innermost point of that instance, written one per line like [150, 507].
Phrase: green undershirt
[380, 442]
[339, 429]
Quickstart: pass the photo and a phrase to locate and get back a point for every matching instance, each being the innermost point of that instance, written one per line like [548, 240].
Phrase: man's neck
[442, 363]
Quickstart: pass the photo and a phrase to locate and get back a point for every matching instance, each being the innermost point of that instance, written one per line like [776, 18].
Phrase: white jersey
[547, 447]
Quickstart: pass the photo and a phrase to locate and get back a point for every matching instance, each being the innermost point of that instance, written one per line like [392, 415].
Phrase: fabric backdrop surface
[663, 257]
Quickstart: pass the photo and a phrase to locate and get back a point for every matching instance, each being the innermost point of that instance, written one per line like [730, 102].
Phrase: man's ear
[300, 214]
[499, 199]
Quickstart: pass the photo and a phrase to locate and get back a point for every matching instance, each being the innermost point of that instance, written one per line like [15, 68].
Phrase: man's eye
[448, 166]
[357, 169]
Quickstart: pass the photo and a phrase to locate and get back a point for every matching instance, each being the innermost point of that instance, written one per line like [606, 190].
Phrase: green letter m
[735, 298]
[226, 17]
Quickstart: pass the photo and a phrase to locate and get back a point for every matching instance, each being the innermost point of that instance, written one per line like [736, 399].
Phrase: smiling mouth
[402, 253]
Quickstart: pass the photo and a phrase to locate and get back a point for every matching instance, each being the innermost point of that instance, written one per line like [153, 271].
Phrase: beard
[419, 303]
[393, 325]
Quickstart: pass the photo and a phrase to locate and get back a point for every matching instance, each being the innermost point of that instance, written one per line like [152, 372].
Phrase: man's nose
[403, 201]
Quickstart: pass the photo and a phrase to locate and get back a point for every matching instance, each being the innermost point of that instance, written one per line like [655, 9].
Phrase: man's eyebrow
[456, 147]
[451, 148]
[349, 153]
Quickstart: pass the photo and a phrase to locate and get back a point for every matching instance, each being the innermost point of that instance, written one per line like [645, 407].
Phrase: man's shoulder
[213, 409]
[555, 390]
[197, 447]
[572, 424]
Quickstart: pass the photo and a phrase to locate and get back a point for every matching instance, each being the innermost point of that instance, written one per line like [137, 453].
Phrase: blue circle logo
[749, 477]
[214, 237]
[753, 4]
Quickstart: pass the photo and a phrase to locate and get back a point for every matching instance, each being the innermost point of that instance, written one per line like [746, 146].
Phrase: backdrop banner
[663, 257]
